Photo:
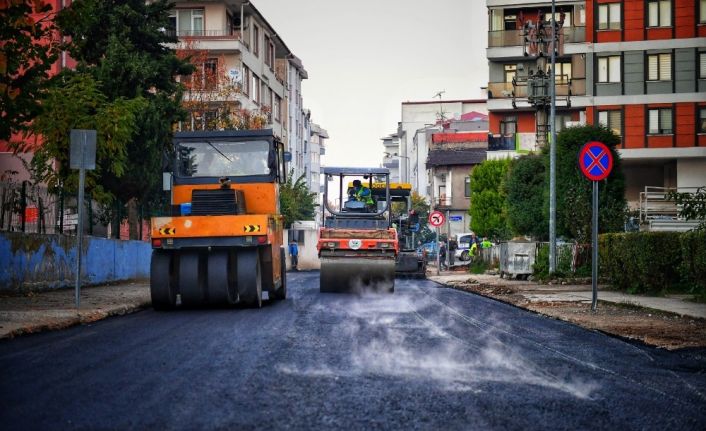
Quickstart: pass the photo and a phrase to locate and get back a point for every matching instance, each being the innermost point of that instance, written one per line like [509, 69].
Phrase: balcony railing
[442, 202]
[223, 33]
[504, 90]
[501, 38]
[501, 143]
[498, 38]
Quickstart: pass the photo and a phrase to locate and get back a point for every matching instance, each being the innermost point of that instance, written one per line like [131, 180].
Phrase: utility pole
[552, 150]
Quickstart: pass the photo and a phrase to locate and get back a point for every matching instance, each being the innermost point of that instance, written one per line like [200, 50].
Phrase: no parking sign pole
[82, 157]
[595, 162]
[436, 219]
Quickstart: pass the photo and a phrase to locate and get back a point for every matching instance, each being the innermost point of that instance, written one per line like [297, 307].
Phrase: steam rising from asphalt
[392, 336]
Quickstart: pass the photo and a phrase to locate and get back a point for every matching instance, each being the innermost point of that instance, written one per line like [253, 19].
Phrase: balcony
[442, 202]
[503, 38]
[500, 38]
[503, 90]
[220, 34]
[501, 143]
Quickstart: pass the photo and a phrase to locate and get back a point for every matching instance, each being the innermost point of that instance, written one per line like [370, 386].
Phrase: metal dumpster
[517, 258]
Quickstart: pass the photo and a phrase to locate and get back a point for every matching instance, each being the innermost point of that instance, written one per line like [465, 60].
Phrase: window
[277, 108]
[510, 22]
[255, 88]
[702, 11]
[510, 72]
[187, 22]
[612, 120]
[609, 16]
[609, 69]
[563, 71]
[508, 125]
[467, 187]
[246, 80]
[268, 52]
[659, 67]
[256, 40]
[557, 17]
[702, 120]
[660, 121]
[561, 120]
[702, 65]
[659, 13]
[209, 74]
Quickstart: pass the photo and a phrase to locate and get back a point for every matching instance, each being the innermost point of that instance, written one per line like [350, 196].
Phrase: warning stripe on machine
[251, 228]
[167, 231]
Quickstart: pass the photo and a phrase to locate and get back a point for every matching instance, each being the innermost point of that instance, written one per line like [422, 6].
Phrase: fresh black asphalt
[425, 357]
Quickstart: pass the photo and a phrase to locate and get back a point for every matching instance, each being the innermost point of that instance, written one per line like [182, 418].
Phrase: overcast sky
[366, 57]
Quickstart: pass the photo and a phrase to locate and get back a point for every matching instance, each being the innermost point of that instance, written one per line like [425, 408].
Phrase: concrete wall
[691, 172]
[40, 262]
[308, 255]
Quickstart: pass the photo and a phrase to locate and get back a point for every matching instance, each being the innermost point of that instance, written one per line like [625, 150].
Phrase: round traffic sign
[436, 218]
[595, 160]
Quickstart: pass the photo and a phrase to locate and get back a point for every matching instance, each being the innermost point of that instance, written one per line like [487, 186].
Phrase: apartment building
[637, 66]
[416, 117]
[391, 156]
[299, 129]
[238, 46]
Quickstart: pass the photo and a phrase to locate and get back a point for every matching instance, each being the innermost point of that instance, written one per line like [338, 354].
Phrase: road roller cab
[222, 241]
[357, 245]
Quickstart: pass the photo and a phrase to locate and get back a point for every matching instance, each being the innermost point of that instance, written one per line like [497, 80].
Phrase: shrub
[641, 262]
[693, 265]
[488, 204]
[524, 187]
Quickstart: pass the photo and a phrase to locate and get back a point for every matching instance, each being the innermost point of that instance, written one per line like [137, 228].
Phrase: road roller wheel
[281, 293]
[221, 280]
[191, 279]
[249, 278]
[163, 286]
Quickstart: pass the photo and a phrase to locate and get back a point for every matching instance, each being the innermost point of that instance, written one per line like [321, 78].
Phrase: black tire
[163, 286]
[221, 282]
[191, 279]
[249, 277]
[281, 293]
[465, 256]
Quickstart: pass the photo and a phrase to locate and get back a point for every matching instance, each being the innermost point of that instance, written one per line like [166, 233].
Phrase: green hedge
[654, 262]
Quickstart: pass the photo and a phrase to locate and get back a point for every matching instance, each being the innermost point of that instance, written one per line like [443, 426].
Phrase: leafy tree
[488, 201]
[115, 122]
[693, 205]
[27, 51]
[296, 202]
[122, 46]
[574, 190]
[525, 190]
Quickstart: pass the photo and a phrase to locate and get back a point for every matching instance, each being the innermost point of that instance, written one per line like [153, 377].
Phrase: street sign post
[82, 157]
[596, 163]
[436, 219]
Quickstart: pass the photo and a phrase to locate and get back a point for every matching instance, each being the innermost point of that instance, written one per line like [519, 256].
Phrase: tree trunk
[133, 219]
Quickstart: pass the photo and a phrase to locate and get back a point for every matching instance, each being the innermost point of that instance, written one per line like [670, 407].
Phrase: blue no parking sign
[595, 160]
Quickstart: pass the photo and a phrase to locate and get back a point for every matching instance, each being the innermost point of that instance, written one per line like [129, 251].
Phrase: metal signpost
[436, 219]
[595, 162]
[83, 156]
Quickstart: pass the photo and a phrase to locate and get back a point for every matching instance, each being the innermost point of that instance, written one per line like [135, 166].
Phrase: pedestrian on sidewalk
[453, 246]
[442, 256]
[294, 254]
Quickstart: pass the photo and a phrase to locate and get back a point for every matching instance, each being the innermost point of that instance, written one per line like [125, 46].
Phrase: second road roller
[357, 244]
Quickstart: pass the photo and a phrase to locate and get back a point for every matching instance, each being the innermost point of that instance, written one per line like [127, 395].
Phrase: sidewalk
[671, 322]
[535, 292]
[22, 314]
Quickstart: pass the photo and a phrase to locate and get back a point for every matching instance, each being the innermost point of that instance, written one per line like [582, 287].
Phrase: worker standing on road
[294, 254]
[361, 193]
[442, 255]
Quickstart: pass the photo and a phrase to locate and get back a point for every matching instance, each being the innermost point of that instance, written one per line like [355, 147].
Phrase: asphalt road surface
[424, 358]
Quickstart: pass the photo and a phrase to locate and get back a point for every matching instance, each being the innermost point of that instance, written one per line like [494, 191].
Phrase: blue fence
[41, 262]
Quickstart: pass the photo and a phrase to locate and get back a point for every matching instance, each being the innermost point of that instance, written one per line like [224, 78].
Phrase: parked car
[431, 249]
[464, 246]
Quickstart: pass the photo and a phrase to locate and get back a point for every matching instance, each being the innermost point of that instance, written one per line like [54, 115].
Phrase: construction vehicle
[357, 244]
[222, 244]
[406, 221]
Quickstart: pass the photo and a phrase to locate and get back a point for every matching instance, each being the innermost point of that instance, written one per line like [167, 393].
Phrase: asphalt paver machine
[222, 242]
[357, 244]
